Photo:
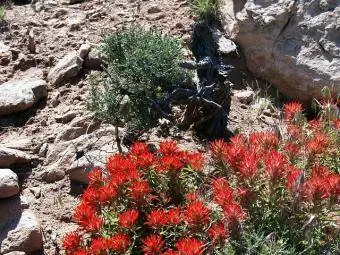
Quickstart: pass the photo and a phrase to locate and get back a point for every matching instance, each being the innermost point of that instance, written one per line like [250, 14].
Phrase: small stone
[5, 54]
[68, 67]
[245, 96]
[154, 9]
[8, 183]
[36, 191]
[224, 46]
[31, 42]
[94, 60]
[16, 253]
[52, 174]
[84, 50]
[75, 1]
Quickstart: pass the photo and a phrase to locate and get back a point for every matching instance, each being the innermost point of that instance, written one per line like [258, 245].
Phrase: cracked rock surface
[293, 44]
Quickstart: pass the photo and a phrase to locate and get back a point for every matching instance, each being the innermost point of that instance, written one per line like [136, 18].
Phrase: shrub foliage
[142, 68]
[262, 194]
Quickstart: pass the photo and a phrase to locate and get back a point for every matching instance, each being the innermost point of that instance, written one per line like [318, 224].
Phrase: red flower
[245, 195]
[222, 193]
[248, 167]
[95, 177]
[195, 160]
[80, 252]
[264, 141]
[157, 218]
[107, 193]
[275, 164]
[86, 216]
[218, 149]
[190, 246]
[139, 190]
[139, 149]
[168, 148]
[217, 233]
[152, 245]
[128, 218]
[98, 245]
[317, 144]
[291, 109]
[292, 149]
[167, 163]
[191, 196]
[71, 242]
[171, 252]
[119, 243]
[197, 213]
[293, 179]
[233, 213]
[174, 216]
[320, 171]
[90, 196]
[316, 189]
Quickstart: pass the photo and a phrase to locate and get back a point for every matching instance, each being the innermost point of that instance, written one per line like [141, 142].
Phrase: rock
[9, 157]
[19, 95]
[75, 1]
[36, 191]
[31, 42]
[16, 253]
[53, 173]
[8, 183]
[94, 60]
[43, 150]
[292, 44]
[5, 54]
[84, 50]
[224, 46]
[68, 67]
[75, 20]
[77, 127]
[245, 96]
[23, 234]
[154, 9]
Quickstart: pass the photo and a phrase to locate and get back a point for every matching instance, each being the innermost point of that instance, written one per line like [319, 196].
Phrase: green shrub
[142, 68]
[2, 12]
[205, 9]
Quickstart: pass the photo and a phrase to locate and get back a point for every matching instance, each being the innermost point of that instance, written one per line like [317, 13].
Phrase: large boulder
[19, 95]
[295, 45]
[20, 229]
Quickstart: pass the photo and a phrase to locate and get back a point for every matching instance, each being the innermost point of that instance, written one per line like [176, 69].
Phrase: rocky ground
[48, 139]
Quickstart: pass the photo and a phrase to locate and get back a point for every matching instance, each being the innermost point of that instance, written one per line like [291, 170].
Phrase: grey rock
[5, 54]
[77, 127]
[292, 44]
[75, 1]
[224, 46]
[19, 95]
[94, 60]
[68, 67]
[76, 20]
[84, 50]
[10, 157]
[31, 42]
[52, 173]
[245, 96]
[16, 253]
[43, 150]
[23, 233]
[154, 9]
[8, 183]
